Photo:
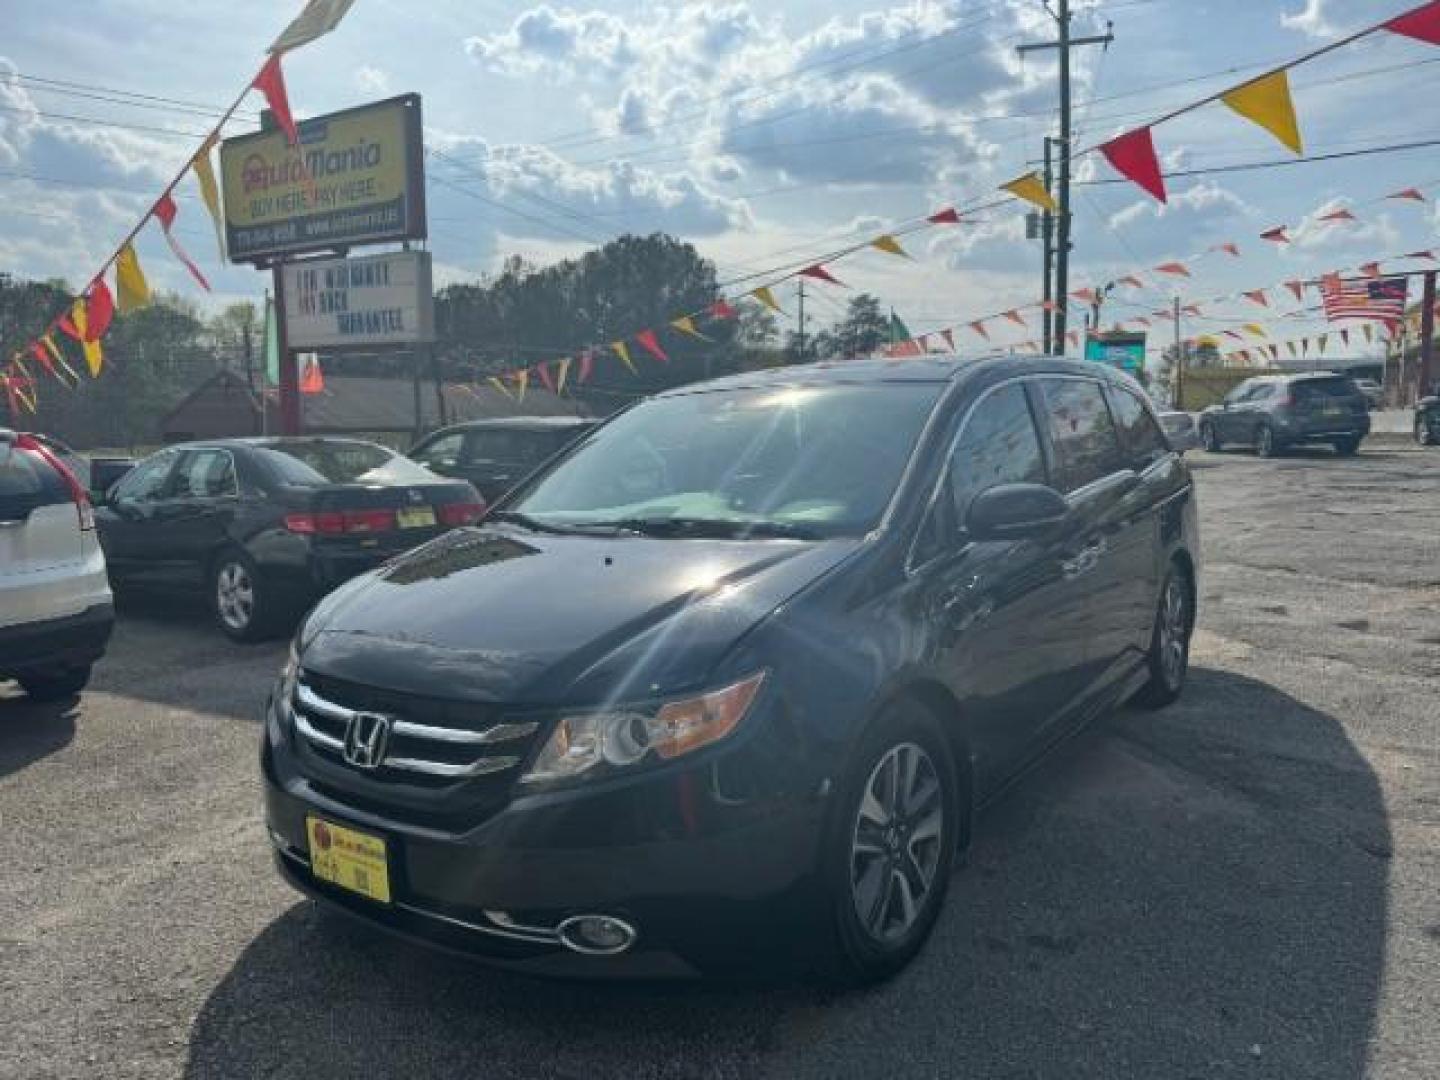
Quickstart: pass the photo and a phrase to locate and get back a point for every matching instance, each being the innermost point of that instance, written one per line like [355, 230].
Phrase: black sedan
[268, 525]
[1427, 419]
[497, 454]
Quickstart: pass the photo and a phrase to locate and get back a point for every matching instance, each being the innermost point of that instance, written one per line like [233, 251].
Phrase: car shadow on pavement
[31, 730]
[1190, 893]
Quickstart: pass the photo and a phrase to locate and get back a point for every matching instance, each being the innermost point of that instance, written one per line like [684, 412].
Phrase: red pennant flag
[721, 310]
[1413, 194]
[1086, 295]
[1191, 309]
[819, 273]
[312, 380]
[68, 327]
[1296, 287]
[587, 364]
[1276, 235]
[1133, 155]
[1131, 279]
[1014, 316]
[99, 310]
[1274, 352]
[923, 343]
[1229, 249]
[271, 83]
[1141, 320]
[1420, 255]
[979, 327]
[1331, 281]
[1050, 305]
[165, 211]
[1235, 334]
[949, 336]
[651, 344]
[44, 357]
[1337, 215]
[1178, 269]
[1160, 314]
[1422, 24]
[542, 369]
[948, 216]
[1258, 296]
[1370, 269]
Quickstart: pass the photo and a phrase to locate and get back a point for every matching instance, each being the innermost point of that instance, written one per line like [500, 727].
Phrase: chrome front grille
[464, 746]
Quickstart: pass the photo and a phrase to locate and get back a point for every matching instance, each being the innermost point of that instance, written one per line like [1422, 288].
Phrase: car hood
[506, 615]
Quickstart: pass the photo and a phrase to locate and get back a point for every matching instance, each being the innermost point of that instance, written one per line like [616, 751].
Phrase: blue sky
[762, 132]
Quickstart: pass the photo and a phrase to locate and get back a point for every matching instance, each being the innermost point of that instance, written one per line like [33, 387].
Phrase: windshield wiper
[525, 521]
[721, 527]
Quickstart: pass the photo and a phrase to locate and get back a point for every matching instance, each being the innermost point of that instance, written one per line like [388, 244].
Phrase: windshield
[312, 464]
[803, 461]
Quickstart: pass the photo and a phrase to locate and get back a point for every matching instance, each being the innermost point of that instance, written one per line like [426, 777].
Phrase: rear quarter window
[1082, 432]
[1325, 388]
[26, 481]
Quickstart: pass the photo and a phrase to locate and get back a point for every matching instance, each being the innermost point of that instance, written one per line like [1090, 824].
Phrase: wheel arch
[937, 699]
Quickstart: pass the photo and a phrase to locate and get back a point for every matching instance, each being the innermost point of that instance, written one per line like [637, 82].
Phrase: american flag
[1375, 298]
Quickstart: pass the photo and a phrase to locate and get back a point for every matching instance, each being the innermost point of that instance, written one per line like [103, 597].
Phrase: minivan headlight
[285, 688]
[590, 745]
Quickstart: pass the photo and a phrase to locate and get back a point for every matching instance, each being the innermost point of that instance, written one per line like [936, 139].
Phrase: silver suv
[56, 610]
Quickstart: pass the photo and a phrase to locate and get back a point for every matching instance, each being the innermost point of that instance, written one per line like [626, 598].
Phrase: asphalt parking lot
[1247, 884]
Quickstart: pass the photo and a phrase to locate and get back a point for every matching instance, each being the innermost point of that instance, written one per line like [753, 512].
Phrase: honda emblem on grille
[365, 739]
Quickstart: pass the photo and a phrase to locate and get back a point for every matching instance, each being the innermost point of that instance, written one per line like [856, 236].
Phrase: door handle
[1084, 560]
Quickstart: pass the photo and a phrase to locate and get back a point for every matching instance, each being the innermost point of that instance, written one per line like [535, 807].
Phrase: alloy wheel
[235, 596]
[897, 842]
[1174, 631]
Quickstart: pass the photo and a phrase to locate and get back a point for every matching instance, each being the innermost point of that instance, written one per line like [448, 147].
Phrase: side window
[999, 445]
[1143, 439]
[443, 451]
[146, 480]
[1086, 446]
[1239, 393]
[1260, 392]
[495, 445]
[204, 474]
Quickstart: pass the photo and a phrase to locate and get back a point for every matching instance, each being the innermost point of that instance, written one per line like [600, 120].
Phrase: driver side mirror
[1015, 512]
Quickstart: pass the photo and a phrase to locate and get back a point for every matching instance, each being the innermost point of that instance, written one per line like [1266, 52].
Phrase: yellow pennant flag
[1032, 189]
[623, 351]
[500, 385]
[522, 380]
[1255, 328]
[1291, 346]
[1369, 333]
[686, 325]
[1266, 101]
[889, 244]
[209, 191]
[59, 357]
[562, 370]
[130, 283]
[94, 357]
[766, 297]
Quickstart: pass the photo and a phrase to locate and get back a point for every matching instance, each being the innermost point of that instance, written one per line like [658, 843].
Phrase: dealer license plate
[415, 517]
[348, 858]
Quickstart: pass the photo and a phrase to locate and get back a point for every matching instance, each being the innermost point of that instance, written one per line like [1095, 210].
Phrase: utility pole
[1064, 43]
[1047, 237]
[802, 320]
[1427, 337]
[1179, 401]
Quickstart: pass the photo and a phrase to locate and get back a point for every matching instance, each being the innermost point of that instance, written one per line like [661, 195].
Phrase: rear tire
[890, 845]
[1265, 445]
[246, 609]
[1209, 439]
[1422, 431]
[1169, 657]
[66, 684]
[1347, 447]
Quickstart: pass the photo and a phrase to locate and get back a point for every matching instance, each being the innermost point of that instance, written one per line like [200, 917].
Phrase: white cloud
[371, 80]
[1310, 20]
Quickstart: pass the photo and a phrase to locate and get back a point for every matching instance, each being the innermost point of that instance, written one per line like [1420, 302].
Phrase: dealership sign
[368, 301]
[1121, 350]
[356, 178]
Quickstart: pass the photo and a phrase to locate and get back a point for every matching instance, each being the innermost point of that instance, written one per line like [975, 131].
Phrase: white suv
[56, 610]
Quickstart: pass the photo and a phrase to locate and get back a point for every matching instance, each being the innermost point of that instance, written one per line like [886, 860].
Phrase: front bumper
[69, 642]
[708, 880]
[1323, 429]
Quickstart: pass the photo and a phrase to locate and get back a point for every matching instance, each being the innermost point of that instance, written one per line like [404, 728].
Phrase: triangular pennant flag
[1422, 24]
[1305, 346]
[94, 356]
[99, 310]
[1254, 328]
[1131, 279]
[1337, 215]
[1133, 156]
[210, 191]
[55, 354]
[1234, 334]
[651, 344]
[1345, 338]
[1258, 296]
[1032, 189]
[766, 297]
[500, 385]
[1266, 101]
[1178, 269]
[1228, 248]
[1320, 343]
[318, 18]
[38, 351]
[923, 343]
[1142, 320]
[1420, 255]
[948, 216]
[562, 369]
[522, 380]
[1085, 295]
[1274, 351]
[1192, 310]
[587, 365]
[898, 330]
[1296, 287]
[1050, 305]
[721, 310]
[1413, 194]
[543, 370]
[1370, 269]
[686, 325]
[1073, 337]
[979, 327]
[1291, 346]
[130, 283]
[888, 243]
[1014, 316]
[271, 83]
[819, 273]
[165, 211]
[312, 379]
[1368, 332]
[622, 350]
[1331, 282]
[949, 336]
[1276, 235]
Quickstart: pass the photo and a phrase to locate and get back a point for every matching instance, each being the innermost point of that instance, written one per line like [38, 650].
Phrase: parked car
[729, 677]
[267, 525]
[1373, 391]
[495, 455]
[1427, 420]
[1179, 428]
[1271, 412]
[56, 610]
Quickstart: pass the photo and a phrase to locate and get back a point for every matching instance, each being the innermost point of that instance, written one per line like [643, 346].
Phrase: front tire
[56, 687]
[1169, 656]
[1348, 447]
[1265, 445]
[1422, 431]
[890, 845]
[245, 609]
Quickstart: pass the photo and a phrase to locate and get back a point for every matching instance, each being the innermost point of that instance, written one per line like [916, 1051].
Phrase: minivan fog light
[597, 743]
